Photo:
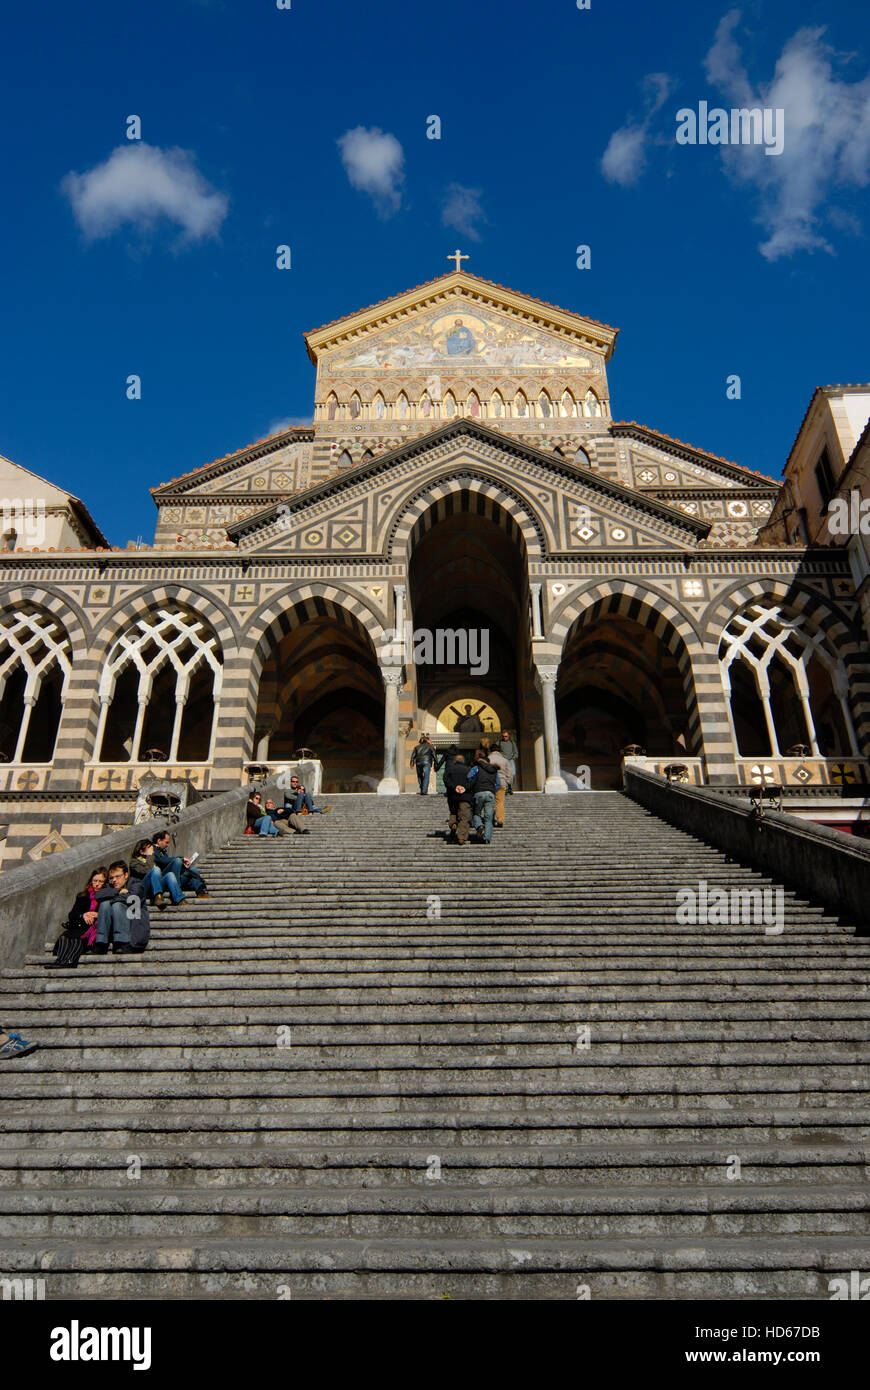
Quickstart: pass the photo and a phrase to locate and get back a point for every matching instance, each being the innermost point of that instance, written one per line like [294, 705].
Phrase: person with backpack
[483, 777]
[460, 797]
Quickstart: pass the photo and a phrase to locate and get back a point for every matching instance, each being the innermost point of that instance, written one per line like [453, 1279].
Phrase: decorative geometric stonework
[762, 774]
[693, 588]
[802, 774]
[314, 538]
[53, 843]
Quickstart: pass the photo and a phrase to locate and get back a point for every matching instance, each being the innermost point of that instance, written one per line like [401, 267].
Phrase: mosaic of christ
[455, 336]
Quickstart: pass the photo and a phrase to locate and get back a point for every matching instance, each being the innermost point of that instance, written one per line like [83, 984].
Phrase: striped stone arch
[621, 598]
[80, 732]
[435, 501]
[843, 637]
[201, 603]
[58, 606]
[41, 636]
[267, 626]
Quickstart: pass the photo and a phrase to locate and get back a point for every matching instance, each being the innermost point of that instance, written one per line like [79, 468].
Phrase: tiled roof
[237, 453]
[450, 274]
[681, 444]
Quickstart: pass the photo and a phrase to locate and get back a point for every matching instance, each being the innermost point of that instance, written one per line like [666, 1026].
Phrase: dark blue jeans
[188, 878]
[156, 881]
[301, 799]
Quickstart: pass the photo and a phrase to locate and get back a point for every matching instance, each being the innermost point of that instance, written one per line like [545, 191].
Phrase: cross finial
[457, 256]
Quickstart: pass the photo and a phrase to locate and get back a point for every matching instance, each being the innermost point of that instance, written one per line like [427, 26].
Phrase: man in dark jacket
[187, 877]
[460, 796]
[123, 912]
[422, 758]
[483, 777]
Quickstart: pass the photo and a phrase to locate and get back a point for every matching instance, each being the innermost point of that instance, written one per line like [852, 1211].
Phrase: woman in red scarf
[80, 928]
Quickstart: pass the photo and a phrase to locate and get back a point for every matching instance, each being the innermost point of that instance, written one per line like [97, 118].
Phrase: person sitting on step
[153, 879]
[122, 913]
[80, 928]
[253, 811]
[174, 863]
[279, 822]
[297, 800]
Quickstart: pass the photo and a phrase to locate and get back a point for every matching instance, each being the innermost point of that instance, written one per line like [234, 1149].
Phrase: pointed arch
[438, 498]
[379, 407]
[545, 406]
[472, 405]
[652, 610]
[568, 406]
[497, 406]
[35, 667]
[160, 686]
[591, 404]
[332, 407]
[403, 406]
[521, 405]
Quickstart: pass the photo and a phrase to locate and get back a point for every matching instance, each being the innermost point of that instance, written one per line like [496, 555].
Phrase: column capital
[393, 675]
[546, 675]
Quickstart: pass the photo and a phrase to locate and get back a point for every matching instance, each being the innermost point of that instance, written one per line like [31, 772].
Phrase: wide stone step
[736, 1018]
[657, 1268]
[388, 1164]
[775, 1084]
[404, 1213]
[528, 1039]
[67, 1128]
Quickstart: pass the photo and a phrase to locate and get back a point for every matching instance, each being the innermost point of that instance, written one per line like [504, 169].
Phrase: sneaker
[15, 1046]
[101, 948]
[159, 903]
[123, 948]
[203, 894]
[326, 810]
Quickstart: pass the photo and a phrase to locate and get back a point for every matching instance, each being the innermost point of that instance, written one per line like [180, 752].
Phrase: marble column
[545, 679]
[393, 681]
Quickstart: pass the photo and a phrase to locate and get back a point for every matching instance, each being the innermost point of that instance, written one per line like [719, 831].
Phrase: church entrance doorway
[619, 685]
[468, 578]
[321, 689]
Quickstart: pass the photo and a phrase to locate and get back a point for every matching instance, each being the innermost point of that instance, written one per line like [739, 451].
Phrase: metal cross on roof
[457, 256]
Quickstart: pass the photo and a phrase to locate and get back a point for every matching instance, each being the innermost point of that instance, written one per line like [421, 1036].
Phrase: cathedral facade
[464, 537]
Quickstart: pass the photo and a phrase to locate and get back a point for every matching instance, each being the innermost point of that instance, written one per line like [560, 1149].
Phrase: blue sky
[558, 129]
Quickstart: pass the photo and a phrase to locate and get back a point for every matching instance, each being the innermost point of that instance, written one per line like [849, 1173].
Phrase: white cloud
[462, 210]
[139, 184]
[624, 159]
[827, 136]
[373, 161]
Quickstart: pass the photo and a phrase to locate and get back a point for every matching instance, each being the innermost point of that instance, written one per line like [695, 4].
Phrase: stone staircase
[360, 1071]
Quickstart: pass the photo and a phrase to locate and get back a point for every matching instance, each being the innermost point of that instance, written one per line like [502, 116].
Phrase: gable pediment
[574, 511]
